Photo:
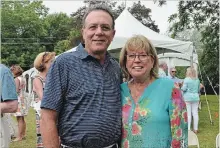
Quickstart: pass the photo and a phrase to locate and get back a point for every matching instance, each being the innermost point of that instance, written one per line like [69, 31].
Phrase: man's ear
[113, 34]
[82, 31]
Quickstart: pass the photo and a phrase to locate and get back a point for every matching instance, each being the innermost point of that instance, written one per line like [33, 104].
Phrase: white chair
[192, 139]
[218, 141]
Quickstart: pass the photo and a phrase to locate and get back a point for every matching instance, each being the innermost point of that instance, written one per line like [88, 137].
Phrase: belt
[110, 146]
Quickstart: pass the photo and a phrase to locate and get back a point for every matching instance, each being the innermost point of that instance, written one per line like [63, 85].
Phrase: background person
[8, 104]
[42, 63]
[22, 102]
[82, 91]
[162, 68]
[191, 88]
[153, 110]
[173, 77]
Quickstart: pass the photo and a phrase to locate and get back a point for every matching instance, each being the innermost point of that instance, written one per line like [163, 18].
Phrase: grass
[207, 132]
[30, 141]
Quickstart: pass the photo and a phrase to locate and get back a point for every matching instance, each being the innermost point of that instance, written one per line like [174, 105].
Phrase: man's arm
[49, 128]
[9, 106]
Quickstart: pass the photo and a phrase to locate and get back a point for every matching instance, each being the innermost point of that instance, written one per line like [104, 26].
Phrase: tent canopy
[127, 25]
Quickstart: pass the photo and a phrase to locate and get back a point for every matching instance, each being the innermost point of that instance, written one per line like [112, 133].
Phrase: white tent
[178, 59]
[127, 25]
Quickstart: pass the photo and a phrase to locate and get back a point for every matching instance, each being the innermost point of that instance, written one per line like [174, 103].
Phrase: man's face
[173, 72]
[165, 67]
[98, 32]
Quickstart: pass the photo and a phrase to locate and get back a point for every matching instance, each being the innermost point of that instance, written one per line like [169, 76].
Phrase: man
[82, 91]
[173, 77]
[9, 103]
[162, 68]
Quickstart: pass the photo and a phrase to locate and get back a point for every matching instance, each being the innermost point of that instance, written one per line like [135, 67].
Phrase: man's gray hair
[102, 7]
[172, 67]
[161, 63]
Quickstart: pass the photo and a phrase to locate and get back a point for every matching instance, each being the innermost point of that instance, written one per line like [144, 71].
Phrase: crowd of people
[82, 100]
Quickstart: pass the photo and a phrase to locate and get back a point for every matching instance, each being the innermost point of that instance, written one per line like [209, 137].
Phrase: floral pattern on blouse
[178, 117]
[155, 120]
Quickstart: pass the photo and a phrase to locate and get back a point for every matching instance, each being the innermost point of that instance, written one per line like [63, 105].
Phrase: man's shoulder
[114, 61]
[169, 77]
[67, 57]
[3, 68]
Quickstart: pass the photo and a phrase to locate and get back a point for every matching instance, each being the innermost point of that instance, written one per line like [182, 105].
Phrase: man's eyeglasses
[141, 57]
[173, 71]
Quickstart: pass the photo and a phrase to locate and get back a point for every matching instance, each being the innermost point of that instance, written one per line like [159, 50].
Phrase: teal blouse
[158, 120]
[191, 89]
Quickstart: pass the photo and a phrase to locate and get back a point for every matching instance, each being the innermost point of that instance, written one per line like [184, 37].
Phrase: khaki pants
[4, 133]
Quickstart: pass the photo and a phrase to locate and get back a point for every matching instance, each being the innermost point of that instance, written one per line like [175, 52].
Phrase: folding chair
[218, 141]
[192, 139]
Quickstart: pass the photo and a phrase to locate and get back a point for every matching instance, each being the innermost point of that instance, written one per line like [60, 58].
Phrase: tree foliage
[139, 11]
[202, 16]
[21, 27]
[27, 29]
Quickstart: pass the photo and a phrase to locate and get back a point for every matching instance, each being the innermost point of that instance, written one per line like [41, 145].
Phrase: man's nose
[99, 30]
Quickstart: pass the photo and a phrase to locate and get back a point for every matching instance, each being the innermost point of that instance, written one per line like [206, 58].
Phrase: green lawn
[207, 132]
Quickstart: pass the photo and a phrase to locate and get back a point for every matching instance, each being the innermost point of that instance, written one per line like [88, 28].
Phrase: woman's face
[15, 70]
[139, 63]
[48, 63]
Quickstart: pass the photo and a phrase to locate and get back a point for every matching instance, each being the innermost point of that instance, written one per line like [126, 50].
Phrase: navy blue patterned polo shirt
[86, 96]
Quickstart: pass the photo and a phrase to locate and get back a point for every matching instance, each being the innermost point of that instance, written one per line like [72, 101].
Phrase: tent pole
[125, 4]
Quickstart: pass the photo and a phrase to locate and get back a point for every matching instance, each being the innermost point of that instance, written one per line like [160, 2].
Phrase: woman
[191, 88]
[42, 63]
[154, 113]
[22, 102]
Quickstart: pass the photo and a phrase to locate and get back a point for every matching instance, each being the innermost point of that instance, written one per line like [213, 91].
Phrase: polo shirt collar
[83, 54]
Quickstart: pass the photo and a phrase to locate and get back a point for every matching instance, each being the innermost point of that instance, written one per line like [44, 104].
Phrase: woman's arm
[178, 120]
[17, 84]
[38, 88]
[184, 87]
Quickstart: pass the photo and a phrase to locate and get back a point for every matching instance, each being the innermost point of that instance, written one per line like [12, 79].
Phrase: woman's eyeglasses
[141, 57]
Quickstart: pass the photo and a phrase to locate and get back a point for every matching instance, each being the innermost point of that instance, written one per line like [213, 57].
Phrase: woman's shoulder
[164, 81]
[124, 85]
[38, 77]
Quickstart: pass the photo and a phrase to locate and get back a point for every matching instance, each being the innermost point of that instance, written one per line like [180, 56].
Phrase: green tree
[58, 26]
[71, 41]
[21, 28]
[142, 13]
[203, 16]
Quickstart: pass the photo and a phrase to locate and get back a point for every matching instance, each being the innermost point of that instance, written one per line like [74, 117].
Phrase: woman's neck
[141, 81]
[43, 74]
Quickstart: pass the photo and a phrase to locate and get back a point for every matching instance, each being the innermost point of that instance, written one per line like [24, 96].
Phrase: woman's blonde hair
[135, 43]
[191, 72]
[16, 70]
[41, 59]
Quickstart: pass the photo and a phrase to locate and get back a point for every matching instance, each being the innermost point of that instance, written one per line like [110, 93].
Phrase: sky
[159, 14]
